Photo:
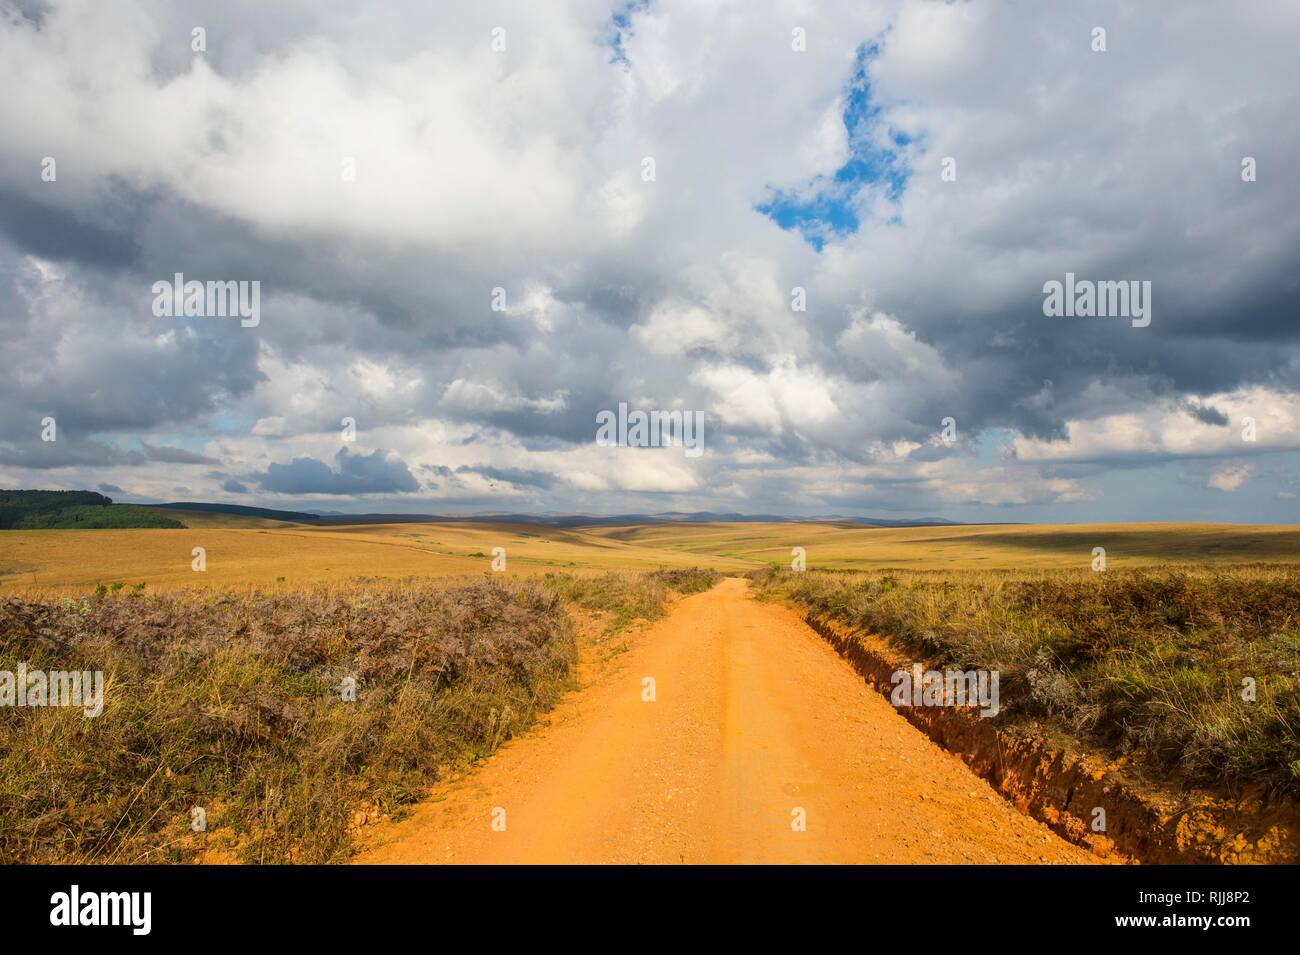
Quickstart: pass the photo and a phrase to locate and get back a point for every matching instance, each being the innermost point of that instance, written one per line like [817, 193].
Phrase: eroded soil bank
[1051, 781]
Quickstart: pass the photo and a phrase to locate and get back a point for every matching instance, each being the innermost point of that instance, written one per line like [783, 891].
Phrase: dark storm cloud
[171, 455]
[101, 362]
[1206, 413]
[379, 472]
[63, 235]
[516, 476]
[68, 451]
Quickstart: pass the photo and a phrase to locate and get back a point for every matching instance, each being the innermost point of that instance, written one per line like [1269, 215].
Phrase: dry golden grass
[227, 521]
[252, 551]
[62, 561]
[235, 703]
[975, 547]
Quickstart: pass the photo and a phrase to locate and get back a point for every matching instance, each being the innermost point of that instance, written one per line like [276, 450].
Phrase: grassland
[1151, 665]
[243, 551]
[832, 546]
[240, 552]
[224, 683]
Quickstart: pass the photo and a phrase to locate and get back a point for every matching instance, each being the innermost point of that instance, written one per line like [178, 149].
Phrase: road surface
[756, 725]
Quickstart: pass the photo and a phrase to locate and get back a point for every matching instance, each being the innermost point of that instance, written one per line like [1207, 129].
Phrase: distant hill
[74, 510]
[549, 520]
[296, 517]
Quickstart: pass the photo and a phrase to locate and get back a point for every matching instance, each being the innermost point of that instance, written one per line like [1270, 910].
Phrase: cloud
[517, 476]
[522, 171]
[170, 455]
[1230, 477]
[380, 472]
[1164, 431]
[1206, 414]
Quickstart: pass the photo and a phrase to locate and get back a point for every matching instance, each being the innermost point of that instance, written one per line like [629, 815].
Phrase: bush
[629, 597]
[687, 580]
[233, 702]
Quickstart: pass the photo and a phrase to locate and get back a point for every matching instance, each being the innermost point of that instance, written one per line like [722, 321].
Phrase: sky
[825, 227]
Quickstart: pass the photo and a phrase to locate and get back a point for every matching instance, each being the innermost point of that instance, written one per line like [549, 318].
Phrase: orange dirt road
[755, 717]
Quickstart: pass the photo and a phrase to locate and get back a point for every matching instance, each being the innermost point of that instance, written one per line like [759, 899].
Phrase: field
[223, 686]
[252, 551]
[994, 546]
[241, 552]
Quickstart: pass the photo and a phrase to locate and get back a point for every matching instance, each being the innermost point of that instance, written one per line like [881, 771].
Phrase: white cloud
[1171, 430]
[1230, 477]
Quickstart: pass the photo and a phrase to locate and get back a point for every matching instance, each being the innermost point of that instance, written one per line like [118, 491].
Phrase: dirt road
[755, 722]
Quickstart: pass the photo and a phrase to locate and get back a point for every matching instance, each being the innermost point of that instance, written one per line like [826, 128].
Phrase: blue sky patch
[825, 208]
[621, 28]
